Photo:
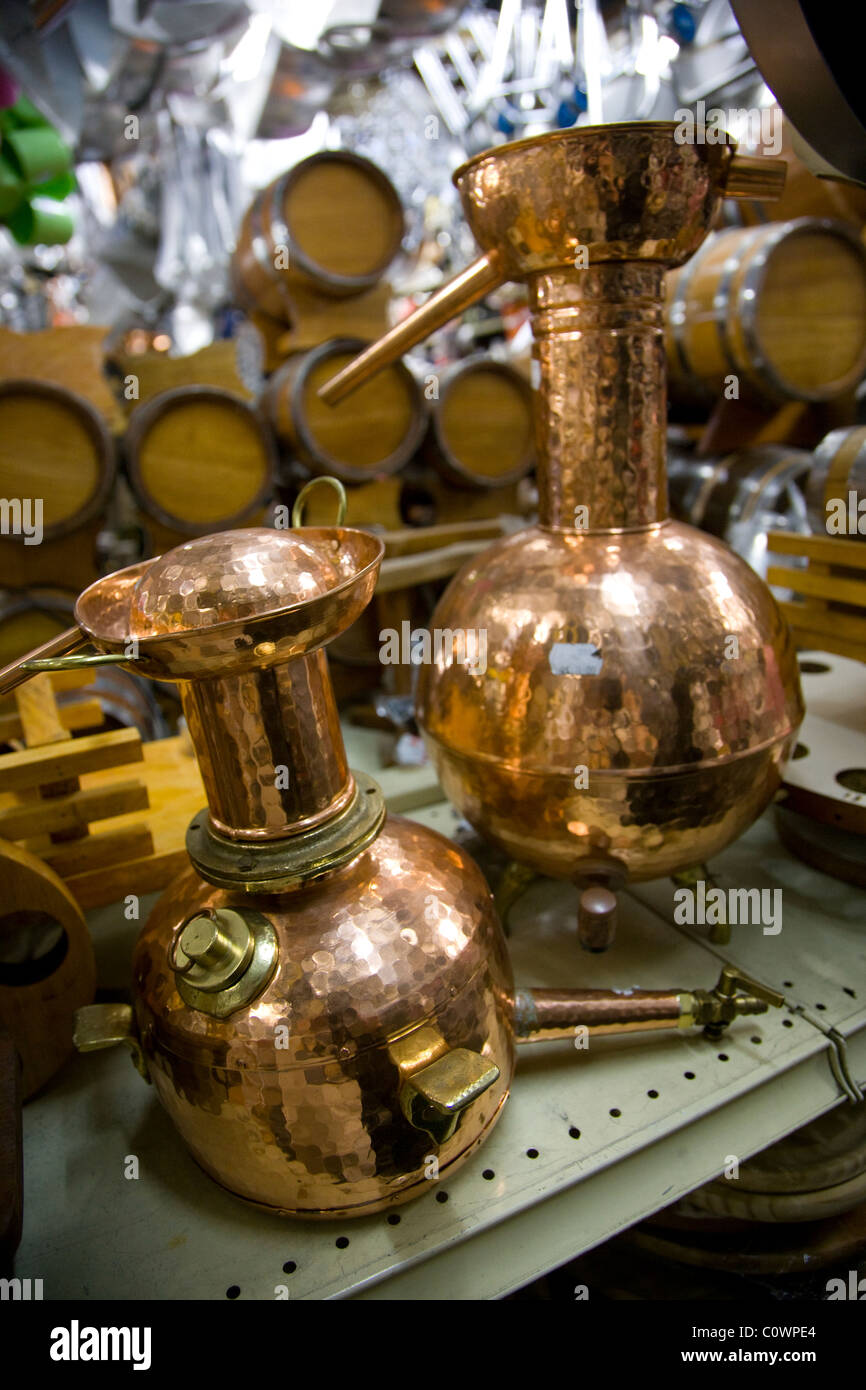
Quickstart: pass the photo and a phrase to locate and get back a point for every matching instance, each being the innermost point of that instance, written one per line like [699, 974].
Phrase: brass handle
[106, 1025]
[434, 1098]
[478, 279]
[342, 504]
[438, 1082]
[761, 179]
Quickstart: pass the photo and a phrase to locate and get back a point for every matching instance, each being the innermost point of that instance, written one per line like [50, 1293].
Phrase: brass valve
[212, 949]
[716, 1008]
[222, 958]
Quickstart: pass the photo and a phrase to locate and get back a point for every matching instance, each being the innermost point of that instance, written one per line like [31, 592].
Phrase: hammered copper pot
[323, 998]
[641, 692]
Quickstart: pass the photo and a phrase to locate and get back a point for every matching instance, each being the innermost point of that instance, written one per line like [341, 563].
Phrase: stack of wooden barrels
[779, 309]
[312, 252]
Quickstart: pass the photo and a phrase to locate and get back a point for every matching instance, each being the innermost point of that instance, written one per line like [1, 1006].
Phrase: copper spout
[483, 275]
[20, 670]
[758, 178]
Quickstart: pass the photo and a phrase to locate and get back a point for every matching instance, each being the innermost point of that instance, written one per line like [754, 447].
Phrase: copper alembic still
[641, 692]
[323, 998]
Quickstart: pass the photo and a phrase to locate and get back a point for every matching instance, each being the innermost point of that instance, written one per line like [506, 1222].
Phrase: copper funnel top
[237, 601]
[625, 192]
[622, 192]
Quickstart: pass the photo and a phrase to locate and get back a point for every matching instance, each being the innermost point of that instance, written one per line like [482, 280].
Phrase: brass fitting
[714, 1009]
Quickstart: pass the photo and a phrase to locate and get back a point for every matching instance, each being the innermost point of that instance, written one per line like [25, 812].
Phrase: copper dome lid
[232, 576]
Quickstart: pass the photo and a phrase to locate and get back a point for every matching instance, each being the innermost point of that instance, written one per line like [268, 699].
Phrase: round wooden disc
[482, 425]
[47, 969]
[54, 446]
[811, 312]
[343, 216]
[372, 433]
[200, 458]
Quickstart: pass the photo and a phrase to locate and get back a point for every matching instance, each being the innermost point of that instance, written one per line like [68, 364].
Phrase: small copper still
[323, 999]
[641, 693]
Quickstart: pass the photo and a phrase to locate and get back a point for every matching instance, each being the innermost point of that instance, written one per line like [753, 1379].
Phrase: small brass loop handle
[297, 509]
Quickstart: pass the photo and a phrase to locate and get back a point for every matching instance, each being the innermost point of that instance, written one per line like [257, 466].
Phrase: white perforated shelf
[590, 1141]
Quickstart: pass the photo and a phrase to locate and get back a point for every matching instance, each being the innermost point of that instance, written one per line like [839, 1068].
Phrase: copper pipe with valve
[642, 694]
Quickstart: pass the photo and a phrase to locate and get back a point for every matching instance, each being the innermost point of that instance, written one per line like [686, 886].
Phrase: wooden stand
[832, 613]
[56, 788]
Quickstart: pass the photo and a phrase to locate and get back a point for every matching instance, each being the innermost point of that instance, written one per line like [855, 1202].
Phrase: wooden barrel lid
[375, 431]
[343, 219]
[482, 425]
[810, 312]
[782, 306]
[200, 458]
[55, 446]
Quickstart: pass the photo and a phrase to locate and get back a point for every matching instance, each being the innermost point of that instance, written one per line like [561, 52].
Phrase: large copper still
[323, 998]
[641, 692]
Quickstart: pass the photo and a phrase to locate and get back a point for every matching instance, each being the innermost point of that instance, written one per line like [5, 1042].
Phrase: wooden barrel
[782, 307]
[717, 493]
[332, 223]
[200, 459]
[375, 431]
[481, 430]
[55, 447]
[29, 618]
[839, 469]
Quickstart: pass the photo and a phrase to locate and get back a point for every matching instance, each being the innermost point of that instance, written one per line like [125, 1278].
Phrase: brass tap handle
[478, 279]
[106, 1025]
[716, 1008]
[761, 179]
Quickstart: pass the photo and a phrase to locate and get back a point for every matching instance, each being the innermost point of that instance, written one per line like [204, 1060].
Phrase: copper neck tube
[270, 749]
[600, 412]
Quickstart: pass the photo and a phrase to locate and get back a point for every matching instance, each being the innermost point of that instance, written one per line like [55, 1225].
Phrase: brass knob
[212, 949]
[222, 958]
